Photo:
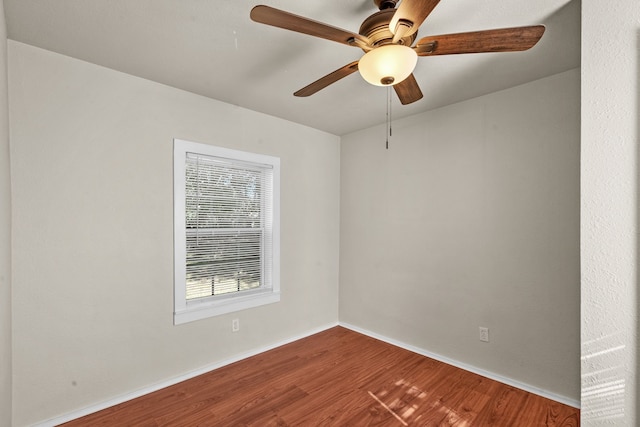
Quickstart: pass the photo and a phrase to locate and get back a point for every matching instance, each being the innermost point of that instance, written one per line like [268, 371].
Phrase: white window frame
[190, 310]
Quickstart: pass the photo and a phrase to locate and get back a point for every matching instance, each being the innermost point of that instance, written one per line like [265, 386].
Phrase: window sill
[210, 308]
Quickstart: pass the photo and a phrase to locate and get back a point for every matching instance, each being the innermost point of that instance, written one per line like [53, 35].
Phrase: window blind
[228, 226]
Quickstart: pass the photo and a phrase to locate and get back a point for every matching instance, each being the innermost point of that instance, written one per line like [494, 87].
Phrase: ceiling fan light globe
[388, 65]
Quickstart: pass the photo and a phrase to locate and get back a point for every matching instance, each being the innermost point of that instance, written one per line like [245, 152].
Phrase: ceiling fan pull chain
[388, 115]
[390, 96]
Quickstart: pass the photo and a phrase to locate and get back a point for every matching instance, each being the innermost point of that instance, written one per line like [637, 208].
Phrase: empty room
[360, 212]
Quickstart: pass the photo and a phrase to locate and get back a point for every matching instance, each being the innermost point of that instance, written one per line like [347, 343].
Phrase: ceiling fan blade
[328, 79]
[408, 90]
[502, 40]
[288, 21]
[409, 16]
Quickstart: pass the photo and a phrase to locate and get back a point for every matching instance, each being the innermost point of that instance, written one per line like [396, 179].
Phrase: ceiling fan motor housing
[385, 4]
[376, 29]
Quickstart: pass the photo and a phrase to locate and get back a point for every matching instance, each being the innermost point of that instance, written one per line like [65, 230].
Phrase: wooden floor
[337, 378]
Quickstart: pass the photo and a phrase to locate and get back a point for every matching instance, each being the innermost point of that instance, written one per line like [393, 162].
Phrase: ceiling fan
[387, 39]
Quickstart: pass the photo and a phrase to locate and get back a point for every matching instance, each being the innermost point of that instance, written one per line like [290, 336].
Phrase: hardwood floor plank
[504, 408]
[327, 410]
[539, 411]
[337, 378]
[266, 407]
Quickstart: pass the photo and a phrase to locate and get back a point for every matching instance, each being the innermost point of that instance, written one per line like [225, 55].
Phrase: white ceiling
[212, 48]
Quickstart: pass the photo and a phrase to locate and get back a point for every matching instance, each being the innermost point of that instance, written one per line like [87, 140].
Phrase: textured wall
[609, 255]
[5, 235]
[92, 158]
[471, 218]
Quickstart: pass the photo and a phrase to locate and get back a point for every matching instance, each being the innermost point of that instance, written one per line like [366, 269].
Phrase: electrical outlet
[235, 325]
[484, 334]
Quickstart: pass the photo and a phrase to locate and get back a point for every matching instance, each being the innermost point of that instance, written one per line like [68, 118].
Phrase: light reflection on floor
[403, 409]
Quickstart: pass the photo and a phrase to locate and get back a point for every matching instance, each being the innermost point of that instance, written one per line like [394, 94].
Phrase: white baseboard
[517, 384]
[158, 386]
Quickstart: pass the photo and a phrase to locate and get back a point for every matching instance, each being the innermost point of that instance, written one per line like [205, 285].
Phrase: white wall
[5, 234]
[471, 218]
[610, 212]
[92, 259]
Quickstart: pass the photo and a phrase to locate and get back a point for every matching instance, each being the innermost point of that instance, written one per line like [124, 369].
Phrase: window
[226, 230]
